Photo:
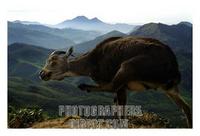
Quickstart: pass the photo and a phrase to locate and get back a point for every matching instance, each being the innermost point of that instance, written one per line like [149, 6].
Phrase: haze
[112, 11]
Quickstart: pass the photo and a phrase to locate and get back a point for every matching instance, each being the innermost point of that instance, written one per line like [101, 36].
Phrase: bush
[24, 117]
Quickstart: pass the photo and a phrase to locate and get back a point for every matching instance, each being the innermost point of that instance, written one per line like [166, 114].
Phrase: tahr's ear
[69, 52]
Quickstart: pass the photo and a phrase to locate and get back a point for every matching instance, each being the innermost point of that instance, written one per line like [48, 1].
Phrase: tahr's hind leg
[122, 100]
[120, 79]
[175, 96]
[121, 97]
[119, 84]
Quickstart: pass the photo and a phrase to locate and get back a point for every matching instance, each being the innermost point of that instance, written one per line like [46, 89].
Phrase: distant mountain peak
[26, 22]
[85, 23]
[153, 24]
[85, 19]
[80, 18]
[17, 21]
[95, 19]
[185, 23]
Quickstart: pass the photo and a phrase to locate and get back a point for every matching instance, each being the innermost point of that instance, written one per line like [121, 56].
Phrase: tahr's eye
[54, 58]
[53, 64]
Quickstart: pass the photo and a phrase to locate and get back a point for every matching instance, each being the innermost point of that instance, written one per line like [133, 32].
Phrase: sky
[111, 11]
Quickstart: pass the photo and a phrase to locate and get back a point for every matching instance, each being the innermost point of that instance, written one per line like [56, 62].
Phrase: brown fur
[159, 63]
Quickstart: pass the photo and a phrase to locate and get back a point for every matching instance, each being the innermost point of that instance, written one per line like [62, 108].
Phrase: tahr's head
[56, 65]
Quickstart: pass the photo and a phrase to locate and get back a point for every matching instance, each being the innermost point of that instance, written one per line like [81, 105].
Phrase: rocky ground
[147, 120]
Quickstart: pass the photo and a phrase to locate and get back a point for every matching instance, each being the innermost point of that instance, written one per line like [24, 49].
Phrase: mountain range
[47, 37]
[177, 36]
[82, 22]
[27, 22]
[67, 33]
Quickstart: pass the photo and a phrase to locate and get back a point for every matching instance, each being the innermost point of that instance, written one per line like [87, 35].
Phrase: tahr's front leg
[96, 88]
[85, 87]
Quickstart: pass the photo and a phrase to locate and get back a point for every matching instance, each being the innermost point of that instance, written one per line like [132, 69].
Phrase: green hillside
[178, 37]
[89, 45]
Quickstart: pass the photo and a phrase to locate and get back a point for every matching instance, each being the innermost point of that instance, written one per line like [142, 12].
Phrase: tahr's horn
[69, 52]
[58, 52]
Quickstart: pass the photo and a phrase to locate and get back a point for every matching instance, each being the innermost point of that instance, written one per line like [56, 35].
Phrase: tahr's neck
[80, 66]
